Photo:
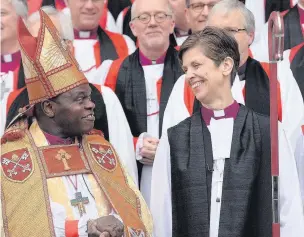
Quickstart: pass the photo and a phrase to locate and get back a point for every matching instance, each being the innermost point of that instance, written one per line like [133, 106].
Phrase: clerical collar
[242, 71]
[229, 112]
[180, 33]
[10, 62]
[54, 140]
[90, 34]
[144, 61]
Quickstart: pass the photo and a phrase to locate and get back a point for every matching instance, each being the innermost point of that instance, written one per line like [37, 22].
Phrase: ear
[172, 25]
[250, 38]
[48, 107]
[187, 16]
[133, 28]
[227, 66]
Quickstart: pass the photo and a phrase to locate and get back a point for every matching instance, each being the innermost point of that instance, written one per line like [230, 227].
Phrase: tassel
[11, 136]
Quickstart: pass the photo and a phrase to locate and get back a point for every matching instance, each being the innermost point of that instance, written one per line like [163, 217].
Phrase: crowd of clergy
[179, 97]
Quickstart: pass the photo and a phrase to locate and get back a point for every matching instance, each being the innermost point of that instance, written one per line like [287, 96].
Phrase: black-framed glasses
[234, 30]
[159, 17]
[199, 6]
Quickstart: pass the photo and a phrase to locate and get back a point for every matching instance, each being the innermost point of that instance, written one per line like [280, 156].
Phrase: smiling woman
[210, 66]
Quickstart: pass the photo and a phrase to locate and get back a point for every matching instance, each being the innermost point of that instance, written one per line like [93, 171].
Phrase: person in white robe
[224, 15]
[180, 204]
[10, 52]
[143, 81]
[92, 44]
[118, 128]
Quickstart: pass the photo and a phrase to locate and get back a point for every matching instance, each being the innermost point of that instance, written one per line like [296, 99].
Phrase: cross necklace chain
[79, 201]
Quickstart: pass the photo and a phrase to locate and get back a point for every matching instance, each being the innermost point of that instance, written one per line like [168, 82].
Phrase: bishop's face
[152, 23]
[8, 22]
[73, 111]
[234, 22]
[86, 14]
[197, 13]
[203, 76]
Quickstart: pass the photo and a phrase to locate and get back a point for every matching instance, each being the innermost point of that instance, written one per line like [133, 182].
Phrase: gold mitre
[49, 67]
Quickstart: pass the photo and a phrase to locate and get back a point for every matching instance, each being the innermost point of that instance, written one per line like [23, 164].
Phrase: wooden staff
[275, 49]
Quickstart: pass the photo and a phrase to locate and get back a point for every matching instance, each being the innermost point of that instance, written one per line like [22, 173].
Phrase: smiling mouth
[90, 117]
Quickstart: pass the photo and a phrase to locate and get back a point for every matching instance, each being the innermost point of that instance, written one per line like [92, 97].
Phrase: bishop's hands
[106, 226]
[148, 150]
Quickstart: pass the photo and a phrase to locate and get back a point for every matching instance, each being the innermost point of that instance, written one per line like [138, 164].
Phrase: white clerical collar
[87, 34]
[7, 58]
[84, 34]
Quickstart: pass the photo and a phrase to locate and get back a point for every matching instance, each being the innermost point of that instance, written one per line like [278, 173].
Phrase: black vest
[293, 34]
[246, 198]
[297, 68]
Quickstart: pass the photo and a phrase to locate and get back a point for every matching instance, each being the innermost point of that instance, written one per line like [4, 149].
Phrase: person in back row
[144, 80]
[92, 44]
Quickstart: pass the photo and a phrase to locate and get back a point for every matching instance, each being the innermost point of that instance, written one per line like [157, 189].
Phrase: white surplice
[6, 87]
[152, 73]
[84, 54]
[120, 135]
[291, 213]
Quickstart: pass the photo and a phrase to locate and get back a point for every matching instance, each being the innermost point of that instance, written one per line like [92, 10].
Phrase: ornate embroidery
[104, 155]
[17, 166]
[63, 156]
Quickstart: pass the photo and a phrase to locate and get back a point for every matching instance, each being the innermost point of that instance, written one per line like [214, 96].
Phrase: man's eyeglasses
[159, 17]
[198, 7]
[234, 30]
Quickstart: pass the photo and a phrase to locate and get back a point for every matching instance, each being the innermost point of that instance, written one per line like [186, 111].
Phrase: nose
[152, 21]
[89, 4]
[205, 10]
[189, 75]
[90, 105]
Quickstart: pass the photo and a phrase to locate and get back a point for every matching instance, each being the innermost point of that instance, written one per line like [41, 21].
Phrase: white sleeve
[130, 44]
[176, 110]
[291, 211]
[102, 72]
[160, 201]
[111, 24]
[299, 154]
[259, 47]
[119, 22]
[119, 132]
[292, 103]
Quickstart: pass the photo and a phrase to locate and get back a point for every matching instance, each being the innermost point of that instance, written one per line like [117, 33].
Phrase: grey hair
[230, 5]
[20, 7]
[65, 22]
[133, 7]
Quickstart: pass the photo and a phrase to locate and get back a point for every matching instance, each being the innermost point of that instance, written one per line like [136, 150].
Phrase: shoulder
[181, 126]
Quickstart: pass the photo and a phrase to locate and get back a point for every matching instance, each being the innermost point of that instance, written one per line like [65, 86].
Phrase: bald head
[146, 5]
[61, 21]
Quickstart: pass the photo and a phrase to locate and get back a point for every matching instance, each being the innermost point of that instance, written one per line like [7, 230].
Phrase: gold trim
[44, 180]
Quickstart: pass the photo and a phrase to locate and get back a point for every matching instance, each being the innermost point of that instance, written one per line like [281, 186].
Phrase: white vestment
[85, 56]
[110, 24]
[291, 215]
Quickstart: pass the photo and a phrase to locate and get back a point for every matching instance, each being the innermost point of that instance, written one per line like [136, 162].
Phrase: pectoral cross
[79, 202]
[63, 156]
